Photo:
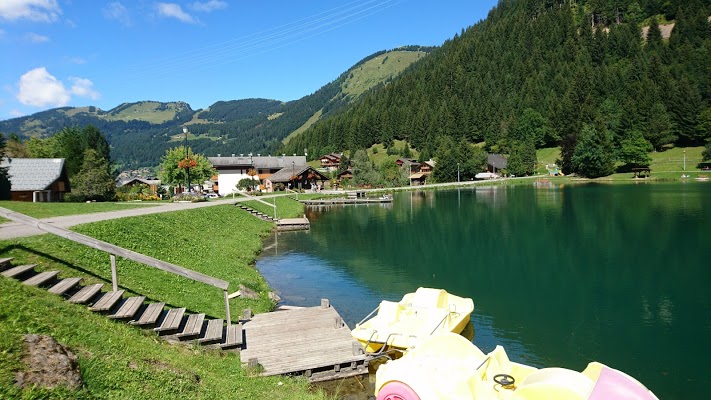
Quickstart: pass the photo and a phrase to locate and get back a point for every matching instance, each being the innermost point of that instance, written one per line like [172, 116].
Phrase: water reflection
[559, 276]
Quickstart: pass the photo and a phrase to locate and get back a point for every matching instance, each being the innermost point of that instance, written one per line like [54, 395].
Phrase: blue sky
[104, 53]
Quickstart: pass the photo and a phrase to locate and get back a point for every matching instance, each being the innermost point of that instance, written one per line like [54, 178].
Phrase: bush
[191, 197]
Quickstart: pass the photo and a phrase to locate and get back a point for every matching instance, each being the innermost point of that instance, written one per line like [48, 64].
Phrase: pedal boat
[448, 366]
[404, 324]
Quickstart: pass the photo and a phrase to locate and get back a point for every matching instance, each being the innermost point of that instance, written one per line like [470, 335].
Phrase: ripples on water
[560, 276]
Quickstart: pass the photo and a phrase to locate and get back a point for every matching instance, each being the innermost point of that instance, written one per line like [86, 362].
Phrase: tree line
[545, 73]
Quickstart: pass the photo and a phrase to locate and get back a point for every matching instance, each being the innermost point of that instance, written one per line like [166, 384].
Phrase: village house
[495, 162]
[230, 170]
[303, 177]
[152, 183]
[37, 179]
[331, 162]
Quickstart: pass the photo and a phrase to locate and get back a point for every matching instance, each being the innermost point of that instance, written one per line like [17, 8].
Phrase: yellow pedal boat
[449, 366]
[416, 317]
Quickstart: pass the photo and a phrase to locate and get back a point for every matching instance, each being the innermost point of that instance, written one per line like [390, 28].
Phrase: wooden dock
[329, 202]
[312, 341]
[293, 224]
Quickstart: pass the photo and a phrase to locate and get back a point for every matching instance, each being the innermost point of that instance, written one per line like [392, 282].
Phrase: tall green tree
[594, 155]
[364, 171]
[522, 158]
[634, 150]
[93, 181]
[174, 173]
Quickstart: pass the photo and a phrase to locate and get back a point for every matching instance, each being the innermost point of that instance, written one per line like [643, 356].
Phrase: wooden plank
[41, 278]
[172, 320]
[64, 286]
[5, 262]
[233, 337]
[107, 301]
[129, 307]
[213, 332]
[86, 293]
[193, 326]
[311, 341]
[14, 272]
[150, 314]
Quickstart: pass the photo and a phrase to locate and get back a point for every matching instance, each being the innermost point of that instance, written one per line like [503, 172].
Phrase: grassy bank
[48, 210]
[120, 361]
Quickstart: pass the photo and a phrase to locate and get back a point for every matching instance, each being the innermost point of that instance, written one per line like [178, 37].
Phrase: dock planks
[310, 341]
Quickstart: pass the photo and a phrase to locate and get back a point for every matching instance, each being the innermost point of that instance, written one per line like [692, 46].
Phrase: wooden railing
[114, 251]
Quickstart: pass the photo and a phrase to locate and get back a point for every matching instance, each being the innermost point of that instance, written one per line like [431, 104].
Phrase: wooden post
[325, 303]
[247, 314]
[114, 278]
[227, 309]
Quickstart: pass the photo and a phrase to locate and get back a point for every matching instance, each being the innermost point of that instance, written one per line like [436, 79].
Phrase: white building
[230, 170]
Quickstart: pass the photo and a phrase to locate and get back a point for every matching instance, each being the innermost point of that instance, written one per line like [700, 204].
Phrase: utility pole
[187, 167]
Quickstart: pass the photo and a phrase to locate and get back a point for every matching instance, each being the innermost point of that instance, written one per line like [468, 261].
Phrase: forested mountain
[239, 126]
[545, 73]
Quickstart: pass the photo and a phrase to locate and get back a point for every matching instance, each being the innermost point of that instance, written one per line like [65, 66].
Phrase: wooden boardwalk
[312, 341]
[293, 224]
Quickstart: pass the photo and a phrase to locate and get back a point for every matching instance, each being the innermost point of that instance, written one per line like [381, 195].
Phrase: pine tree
[594, 156]
[93, 181]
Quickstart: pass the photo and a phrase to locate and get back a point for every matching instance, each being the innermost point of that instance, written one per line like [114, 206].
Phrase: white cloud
[172, 10]
[34, 10]
[83, 87]
[118, 12]
[16, 113]
[36, 38]
[208, 6]
[39, 88]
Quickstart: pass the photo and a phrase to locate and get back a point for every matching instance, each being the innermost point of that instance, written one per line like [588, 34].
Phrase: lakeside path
[11, 230]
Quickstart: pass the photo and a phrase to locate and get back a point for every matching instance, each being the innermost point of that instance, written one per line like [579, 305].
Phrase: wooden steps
[172, 320]
[107, 301]
[171, 324]
[128, 308]
[213, 331]
[233, 337]
[16, 272]
[41, 278]
[5, 262]
[86, 293]
[193, 326]
[150, 315]
[64, 286]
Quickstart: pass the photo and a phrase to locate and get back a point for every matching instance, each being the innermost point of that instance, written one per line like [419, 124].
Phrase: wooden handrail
[114, 250]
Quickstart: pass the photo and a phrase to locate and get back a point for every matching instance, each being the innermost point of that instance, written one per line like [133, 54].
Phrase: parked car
[212, 196]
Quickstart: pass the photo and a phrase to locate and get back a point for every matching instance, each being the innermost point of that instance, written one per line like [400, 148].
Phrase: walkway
[10, 230]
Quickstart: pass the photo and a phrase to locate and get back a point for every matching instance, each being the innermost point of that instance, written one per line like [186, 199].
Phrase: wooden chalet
[296, 177]
[152, 183]
[331, 161]
[37, 179]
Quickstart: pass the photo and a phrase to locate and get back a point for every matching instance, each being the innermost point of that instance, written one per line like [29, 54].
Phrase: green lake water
[559, 275]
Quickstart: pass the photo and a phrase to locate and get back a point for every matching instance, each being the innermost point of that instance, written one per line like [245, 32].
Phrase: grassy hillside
[382, 68]
[119, 361]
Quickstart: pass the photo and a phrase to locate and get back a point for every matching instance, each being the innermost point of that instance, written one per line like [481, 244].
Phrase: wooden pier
[329, 202]
[312, 341]
[293, 224]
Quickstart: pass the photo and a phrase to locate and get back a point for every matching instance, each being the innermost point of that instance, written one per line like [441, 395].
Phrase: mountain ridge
[227, 126]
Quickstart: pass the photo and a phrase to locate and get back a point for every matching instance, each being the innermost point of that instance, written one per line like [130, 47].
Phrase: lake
[560, 274]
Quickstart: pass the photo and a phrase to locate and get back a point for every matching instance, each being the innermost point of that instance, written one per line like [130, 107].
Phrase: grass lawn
[286, 206]
[119, 361]
[47, 210]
